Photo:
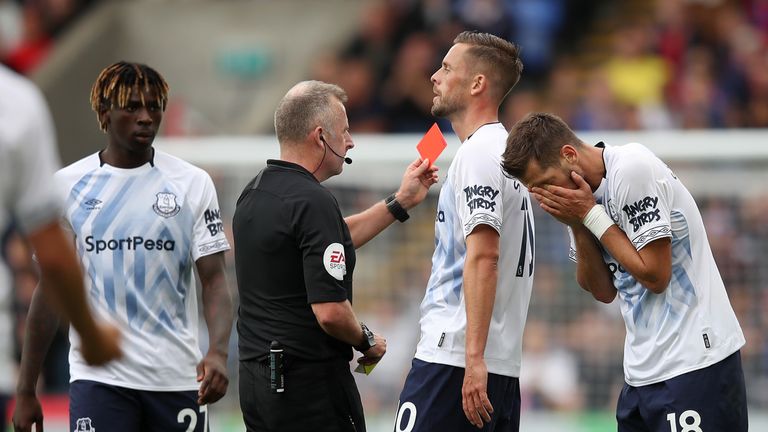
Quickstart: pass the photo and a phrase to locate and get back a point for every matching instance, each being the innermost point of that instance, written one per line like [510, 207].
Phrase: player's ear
[569, 153]
[479, 84]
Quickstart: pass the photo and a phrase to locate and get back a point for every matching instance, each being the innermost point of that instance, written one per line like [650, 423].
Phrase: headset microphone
[347, 160]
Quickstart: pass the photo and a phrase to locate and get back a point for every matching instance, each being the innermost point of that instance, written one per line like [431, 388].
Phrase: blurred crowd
[386, 66]
[600, 65]
[28, 29]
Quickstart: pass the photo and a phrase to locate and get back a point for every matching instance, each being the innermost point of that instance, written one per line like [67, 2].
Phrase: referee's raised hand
[419, 176]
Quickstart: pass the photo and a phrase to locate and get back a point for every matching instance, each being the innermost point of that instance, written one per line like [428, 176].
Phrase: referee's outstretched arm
[419, 176]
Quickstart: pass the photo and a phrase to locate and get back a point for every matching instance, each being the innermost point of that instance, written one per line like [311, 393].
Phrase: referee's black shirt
[292, 249]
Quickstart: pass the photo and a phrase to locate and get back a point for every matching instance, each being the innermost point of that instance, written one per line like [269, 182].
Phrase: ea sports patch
[334, 261]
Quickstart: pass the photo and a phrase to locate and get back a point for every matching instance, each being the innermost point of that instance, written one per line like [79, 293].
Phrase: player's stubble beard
[445, 106]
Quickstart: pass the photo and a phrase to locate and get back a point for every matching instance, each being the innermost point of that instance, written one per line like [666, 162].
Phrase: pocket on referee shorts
[346, 400]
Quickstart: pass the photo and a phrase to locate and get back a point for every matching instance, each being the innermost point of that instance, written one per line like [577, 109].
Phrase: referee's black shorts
[318, 397]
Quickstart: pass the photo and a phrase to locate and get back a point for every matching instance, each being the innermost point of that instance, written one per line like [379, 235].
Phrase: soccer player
[467, 366]
[27, 162]
[141, 219]
[636, 231]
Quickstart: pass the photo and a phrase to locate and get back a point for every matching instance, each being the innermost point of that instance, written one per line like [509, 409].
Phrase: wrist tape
[597, 221]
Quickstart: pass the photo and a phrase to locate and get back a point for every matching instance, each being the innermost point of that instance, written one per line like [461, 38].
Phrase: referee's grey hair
[306, 106]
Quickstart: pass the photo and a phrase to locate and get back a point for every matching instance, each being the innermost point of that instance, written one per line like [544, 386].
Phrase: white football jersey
[138, 233]
[27, 162]
[475, 192]
[691, 325]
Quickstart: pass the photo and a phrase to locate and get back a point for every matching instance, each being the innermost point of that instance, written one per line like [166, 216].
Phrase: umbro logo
[92, 204]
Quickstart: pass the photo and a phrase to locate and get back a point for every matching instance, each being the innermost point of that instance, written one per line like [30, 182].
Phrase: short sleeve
[643, 197]
[478, 187]
[34, 200]
[321, 234]
[208, 232]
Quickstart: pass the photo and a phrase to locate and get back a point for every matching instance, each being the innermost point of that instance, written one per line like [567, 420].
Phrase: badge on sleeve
[334, 261]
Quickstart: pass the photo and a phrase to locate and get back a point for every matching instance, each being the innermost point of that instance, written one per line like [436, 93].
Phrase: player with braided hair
[114, 86]
[141, 219]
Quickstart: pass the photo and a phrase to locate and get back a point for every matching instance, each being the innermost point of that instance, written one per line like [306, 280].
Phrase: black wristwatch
[368, 339]
[396, 209]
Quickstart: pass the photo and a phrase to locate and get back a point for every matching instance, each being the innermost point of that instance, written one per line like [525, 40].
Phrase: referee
[295, 256]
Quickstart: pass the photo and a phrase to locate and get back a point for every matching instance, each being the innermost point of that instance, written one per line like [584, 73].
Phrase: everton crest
[166, 205]
[84, 425]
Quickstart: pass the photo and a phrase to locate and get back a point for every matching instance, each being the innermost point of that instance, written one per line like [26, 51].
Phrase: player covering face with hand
[636, 232]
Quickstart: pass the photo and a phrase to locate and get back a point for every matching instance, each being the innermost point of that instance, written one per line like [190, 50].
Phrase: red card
[432, 144]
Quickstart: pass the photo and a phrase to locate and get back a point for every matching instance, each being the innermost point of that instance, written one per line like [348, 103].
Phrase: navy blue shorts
[103, 407]
[3, 410]
[431, 401]
[712, 399]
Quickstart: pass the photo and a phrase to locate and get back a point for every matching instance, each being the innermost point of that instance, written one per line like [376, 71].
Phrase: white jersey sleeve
[642, 199]
[27, 200]
[208, 237]
[477, 185]
[29, 141]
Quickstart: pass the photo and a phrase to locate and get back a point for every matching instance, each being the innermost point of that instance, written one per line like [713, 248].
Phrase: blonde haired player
[142, 220]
